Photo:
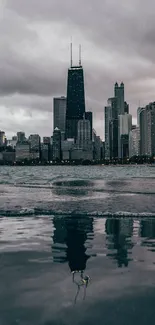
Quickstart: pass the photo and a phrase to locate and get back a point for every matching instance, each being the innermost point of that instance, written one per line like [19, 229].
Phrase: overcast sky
[118, 44]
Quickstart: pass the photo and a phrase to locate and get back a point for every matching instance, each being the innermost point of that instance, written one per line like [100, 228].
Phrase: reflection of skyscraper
[75, 99]
[118, 231]
[73, 233]
[147, 229]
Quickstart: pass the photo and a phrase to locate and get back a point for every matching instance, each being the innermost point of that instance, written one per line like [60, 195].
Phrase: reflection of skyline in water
[119, 232]
[147, 229]
[73, 239]
[75, 187]
[70, 235]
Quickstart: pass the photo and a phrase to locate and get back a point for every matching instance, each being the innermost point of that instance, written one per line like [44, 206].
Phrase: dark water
[56, 220]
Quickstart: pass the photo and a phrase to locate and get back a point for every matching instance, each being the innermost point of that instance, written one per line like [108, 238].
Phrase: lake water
[95, 219]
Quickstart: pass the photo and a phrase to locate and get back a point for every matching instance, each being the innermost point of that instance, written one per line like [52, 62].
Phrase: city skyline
[34, 57]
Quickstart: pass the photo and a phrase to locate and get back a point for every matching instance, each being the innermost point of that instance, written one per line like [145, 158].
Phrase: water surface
[54, 220]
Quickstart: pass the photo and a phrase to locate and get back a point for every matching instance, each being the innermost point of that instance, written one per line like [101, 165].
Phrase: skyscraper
[126, 107]
[2, 138]
[84, 139]
[138, 115]
[21, 136]
[147, 130]
[57, 144]
[59, 114]
[89, 116]
[119, 93]
[75, 99]
[124, 128]
[134, 142]
[107, 115]
[34, 140]
[113, 128]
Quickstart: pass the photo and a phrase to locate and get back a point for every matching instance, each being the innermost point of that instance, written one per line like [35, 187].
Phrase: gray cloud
[118, 44]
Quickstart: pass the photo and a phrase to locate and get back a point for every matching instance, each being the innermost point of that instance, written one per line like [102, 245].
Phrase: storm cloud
[118, 43]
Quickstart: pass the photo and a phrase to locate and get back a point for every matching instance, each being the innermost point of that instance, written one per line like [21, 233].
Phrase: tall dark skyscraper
[119, 94]
[113, 128]
[75, 98]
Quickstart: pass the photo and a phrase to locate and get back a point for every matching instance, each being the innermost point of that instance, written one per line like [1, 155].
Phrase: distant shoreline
[77, 164]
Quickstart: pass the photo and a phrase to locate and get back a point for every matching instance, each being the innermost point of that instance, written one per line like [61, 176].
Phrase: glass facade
[75, 100]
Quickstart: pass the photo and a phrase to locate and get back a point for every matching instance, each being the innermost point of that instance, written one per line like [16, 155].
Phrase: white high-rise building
[134, 142]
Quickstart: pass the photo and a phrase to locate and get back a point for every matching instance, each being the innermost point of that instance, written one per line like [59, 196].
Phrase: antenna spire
[71, 53]
[80, 55]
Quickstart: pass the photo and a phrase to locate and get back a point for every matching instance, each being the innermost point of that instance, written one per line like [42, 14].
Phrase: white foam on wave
[24, 212]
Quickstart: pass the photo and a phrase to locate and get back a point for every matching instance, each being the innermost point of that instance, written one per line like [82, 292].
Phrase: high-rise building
[66, 146]
[143, 132]
[84, 136]
[22, 150]
[97, 146]
[14, 138]
[134, 142]
[12, 143]
[89, 116]
[119, 93]
[34, 140]
[103, 150]
[138, 115]
[44, 153]
[150, 113]
[47, 140]
[21, 137]
[57, 144]
[147, 129]
[107, 116]
[2, 139]
[116, 106]
[124, 128]
[59, 114]
[113, 127]
[75, 98]
[126, 107]
[112, 102]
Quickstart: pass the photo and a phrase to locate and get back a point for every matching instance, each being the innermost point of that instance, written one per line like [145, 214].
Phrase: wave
[96, 214]
[87, 188]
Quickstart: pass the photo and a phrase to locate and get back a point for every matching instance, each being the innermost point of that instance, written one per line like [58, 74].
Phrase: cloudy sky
[118, 44]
